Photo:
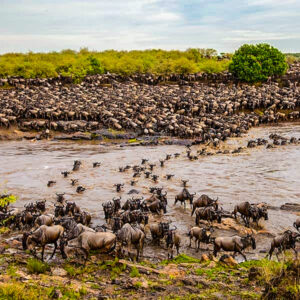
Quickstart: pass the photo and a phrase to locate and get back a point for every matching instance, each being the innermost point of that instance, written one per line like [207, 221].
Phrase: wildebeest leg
[190, 245]
[271, 252]
[86, 253]
[198, 245]
[43, 249]
[239, 251]
[177, 248]
[55, 247]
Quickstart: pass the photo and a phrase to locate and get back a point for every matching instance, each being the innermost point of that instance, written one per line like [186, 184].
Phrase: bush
[256, 63]
[36, 266]
[78, 64]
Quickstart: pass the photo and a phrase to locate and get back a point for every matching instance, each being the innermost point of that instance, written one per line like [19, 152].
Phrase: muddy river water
[255, 175]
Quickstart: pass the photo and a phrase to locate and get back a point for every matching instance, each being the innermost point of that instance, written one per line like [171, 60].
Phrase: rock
[228, 260]
[204, 258]
[189, 281]
[291, 207]
[23, 275]
[212, 264]
[173, 270]
[140, 283]
[59, 272]
[16, 244]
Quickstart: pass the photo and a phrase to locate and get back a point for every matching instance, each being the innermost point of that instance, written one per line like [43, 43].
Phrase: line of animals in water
[125, 223]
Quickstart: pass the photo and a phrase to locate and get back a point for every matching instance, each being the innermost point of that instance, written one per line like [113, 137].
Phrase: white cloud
[142, 24]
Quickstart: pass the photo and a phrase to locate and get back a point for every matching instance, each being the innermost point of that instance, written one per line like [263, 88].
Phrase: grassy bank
[84, 62]
[182, 278]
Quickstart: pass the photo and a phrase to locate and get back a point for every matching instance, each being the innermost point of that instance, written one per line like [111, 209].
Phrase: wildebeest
[207, 214]
[80, 189]
[87, 241]
[73, 229]
[60, 197]
[200, 235]
[47, 219]
[76, 165]
[51, 183]
[118, 187]
[247, 211]
[204, 201]
[284, 241]
[297, 224]
[74, 182]
[41, 237]
[65, 173]
[172, 240]
[234, 243]
[159, 230]
[72, 209]
[83, 217]
[59, 211]
[132, 235]
[96, 164]
[108, 208]
[184, 196]
[156, 206]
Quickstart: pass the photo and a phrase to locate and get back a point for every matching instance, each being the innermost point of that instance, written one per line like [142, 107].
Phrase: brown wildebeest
[204, 201]
[173, 239]
[184, 196]
[207, 214]
[234, 243]
[87, 241]
[129, 235]
[284, 241]
[201, 235]
[44, 220]
[245, 210]
[297, 224]
[41, 237]
[159, 230]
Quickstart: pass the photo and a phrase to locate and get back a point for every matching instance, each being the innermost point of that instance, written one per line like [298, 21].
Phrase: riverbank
[184, 277]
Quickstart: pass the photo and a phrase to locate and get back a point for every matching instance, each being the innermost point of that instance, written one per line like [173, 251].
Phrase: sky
[43, 26]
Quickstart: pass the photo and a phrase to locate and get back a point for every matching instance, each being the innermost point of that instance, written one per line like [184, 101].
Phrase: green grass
[135, 272]
[181, 258]
[36, 266]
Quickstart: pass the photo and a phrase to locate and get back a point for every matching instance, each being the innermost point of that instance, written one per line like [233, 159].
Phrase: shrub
[36, 266]
[255, 63]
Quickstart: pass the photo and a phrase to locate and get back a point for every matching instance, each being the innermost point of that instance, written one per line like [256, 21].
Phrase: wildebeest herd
[204, 112]
[128, 222]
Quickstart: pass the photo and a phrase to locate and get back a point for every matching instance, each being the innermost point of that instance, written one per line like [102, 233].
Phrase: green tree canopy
[254, 63]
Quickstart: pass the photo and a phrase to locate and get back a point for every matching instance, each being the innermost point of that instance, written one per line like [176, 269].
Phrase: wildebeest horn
[165, 193]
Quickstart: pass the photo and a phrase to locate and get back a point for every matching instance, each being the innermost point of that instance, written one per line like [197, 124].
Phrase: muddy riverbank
[255, 175]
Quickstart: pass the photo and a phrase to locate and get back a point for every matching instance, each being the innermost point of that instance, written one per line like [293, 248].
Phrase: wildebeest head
[263, 213]
[41, 205]
[60, 197]
[250, 240]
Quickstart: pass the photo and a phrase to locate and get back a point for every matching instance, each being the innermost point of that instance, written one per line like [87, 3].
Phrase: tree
[6, 199]
[254, 63]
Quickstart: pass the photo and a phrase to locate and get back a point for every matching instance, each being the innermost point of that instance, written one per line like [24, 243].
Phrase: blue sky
[38, 25]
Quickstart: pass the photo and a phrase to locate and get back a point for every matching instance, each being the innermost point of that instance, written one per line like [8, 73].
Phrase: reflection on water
[257, 175]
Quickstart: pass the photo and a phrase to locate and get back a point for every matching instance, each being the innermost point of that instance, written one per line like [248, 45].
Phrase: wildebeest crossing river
[255, 175]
